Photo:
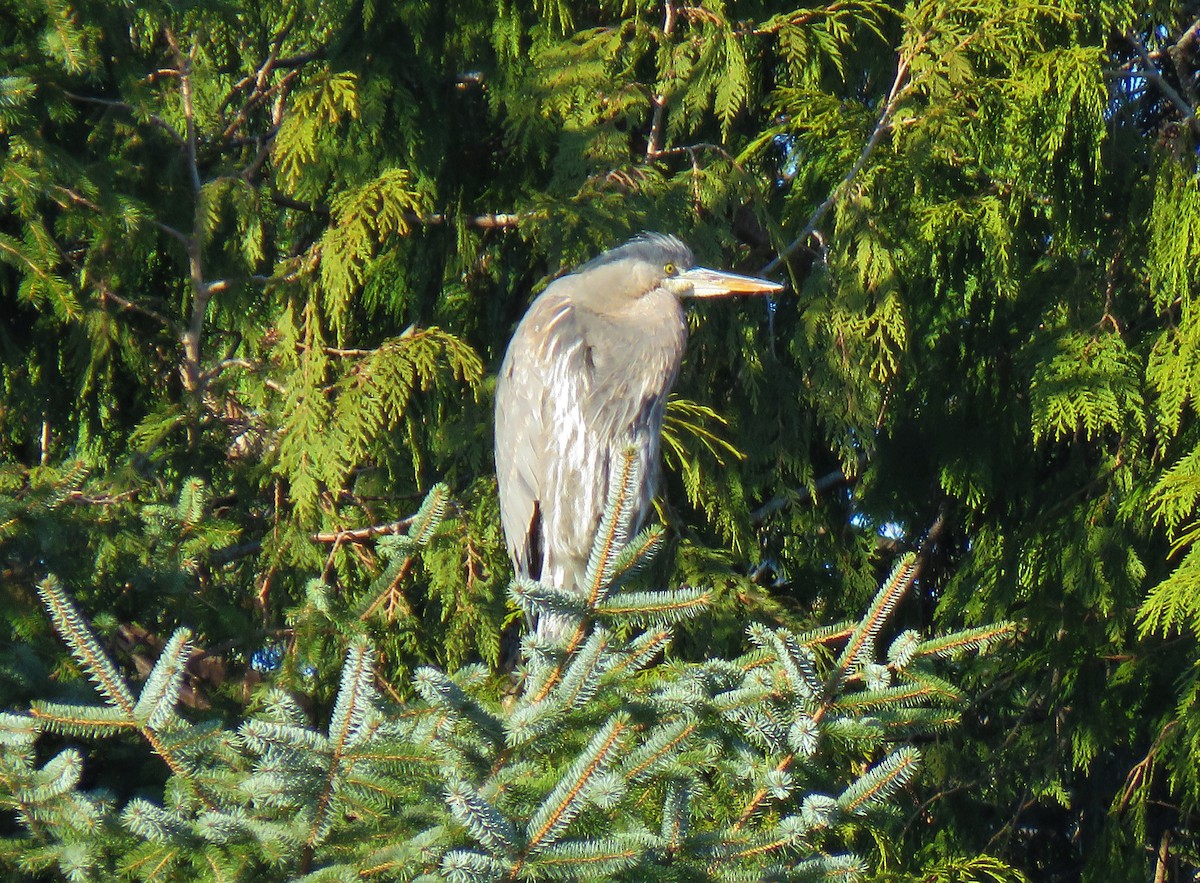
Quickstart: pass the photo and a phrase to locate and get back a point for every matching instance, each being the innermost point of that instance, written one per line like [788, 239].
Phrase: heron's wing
[552, 476]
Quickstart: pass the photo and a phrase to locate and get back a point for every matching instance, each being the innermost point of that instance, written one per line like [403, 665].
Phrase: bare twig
[225, 364]
[482, 222]
[175, 234]
[659, 101]
[108, 295]
[496, 221]
[883, 124]
[786, 499]
[280, 91]
[1151, 72]
[1143, 770]
[799, 18]
[106, 500]
[128, 108]
[357, 535]
[184, 66]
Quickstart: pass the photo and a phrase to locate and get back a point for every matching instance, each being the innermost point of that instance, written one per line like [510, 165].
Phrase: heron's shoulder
[552, 310]
[551, 330]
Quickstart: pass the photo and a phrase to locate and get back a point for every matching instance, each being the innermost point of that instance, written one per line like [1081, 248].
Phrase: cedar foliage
[255, 264]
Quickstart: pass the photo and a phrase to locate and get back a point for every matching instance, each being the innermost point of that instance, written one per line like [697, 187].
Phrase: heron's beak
[718, 283]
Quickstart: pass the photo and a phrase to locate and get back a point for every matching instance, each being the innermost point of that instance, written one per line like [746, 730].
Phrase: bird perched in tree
[586, 377]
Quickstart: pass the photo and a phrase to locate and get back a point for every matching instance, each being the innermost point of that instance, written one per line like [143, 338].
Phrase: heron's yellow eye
[670, 269]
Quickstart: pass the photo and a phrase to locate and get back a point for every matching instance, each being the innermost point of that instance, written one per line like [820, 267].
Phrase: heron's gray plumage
[586, 376]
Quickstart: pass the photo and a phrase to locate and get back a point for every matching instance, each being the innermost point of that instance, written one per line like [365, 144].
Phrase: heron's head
[654, 261]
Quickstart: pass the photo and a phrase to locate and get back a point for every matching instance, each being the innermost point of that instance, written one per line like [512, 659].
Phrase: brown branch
[901, 87]
[1143, 769]
[107, 294]
[280, 90]
[392, 596]
[483, 222]
[218, 369]
[797, 19]
[357, 535]
[659, 101]
[175, 234]
[293, 61]
[1186, 44]
[259, 80]
[494, 221]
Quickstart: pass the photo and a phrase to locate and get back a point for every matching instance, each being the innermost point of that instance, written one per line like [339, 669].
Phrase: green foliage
[256, 262]
[598, 767]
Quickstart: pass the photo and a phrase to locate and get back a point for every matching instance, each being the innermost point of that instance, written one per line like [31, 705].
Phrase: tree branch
[883, 124]
[184, 65]
[1151, 72]
[128, 108]
[659, 101]
[1186, 44]
[784, 500]
[357, 535]
[107, 294]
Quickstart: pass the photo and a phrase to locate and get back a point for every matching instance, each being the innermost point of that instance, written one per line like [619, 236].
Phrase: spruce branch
[893, 772]
[655, 608]
[482, 819]
[607, 547]
[352, 709]
[974, 640]
[613, 533]
[596, 858]
[160, 694]
[659, 747]
[570, 796]
[84, 647]
[863, 638]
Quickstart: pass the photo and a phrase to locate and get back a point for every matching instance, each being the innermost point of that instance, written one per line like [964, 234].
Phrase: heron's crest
[657, 249]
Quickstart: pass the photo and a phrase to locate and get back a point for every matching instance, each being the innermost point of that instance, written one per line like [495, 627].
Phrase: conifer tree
[256, 263]
[612, 760]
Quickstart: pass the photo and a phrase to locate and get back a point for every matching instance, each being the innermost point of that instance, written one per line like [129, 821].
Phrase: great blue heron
[586, 376]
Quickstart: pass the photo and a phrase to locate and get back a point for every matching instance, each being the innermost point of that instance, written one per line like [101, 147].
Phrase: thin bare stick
[184, 64]
[359, 534]
[659, 101]
[128, 108]
[108, 295]
[1151, 72]
[784, 500]
[483, 222]
[883, 124]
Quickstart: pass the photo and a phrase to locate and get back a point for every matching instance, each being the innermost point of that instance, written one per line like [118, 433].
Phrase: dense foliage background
[258, 260]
